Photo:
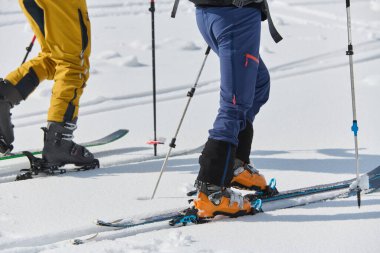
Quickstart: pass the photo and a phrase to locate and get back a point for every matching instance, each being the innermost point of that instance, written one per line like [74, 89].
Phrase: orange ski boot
[246, 177]
[214, 200]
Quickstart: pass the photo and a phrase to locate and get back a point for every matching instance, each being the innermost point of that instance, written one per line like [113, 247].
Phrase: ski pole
[354, 128]
[29, 49]
[152, 10]
[172, 144]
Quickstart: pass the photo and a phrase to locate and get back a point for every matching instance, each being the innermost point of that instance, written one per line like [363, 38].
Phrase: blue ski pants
[234, 35]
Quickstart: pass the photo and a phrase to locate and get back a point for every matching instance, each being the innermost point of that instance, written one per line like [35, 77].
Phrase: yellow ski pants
[63, 30]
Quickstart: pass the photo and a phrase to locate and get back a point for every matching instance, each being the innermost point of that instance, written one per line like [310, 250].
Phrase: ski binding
[39, 165]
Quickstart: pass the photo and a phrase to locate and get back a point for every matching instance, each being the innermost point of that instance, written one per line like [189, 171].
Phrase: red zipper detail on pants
[249, 56]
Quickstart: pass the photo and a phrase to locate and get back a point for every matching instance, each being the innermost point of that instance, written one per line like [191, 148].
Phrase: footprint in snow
[94, 71]
[176, 239]
[137, 45]
[187, 187]
[373, 36]
[190, 46]
[106, 55]
[375, 5]
[143, 198]
[280, 22]
[131, 61]
[268, 51]
[372, 80]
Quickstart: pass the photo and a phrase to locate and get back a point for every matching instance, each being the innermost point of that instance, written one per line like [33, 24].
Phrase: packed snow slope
[302, 135]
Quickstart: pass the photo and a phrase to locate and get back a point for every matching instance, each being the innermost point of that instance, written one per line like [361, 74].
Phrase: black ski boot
[9, 97]
[59, 149]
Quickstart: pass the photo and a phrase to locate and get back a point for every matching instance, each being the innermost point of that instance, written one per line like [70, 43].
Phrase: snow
[302, 136]
[362, 183]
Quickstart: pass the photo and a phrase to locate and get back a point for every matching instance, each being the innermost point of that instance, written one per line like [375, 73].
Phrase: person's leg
[20, 83]
[68, 37]
[262, 91]
[27, 77]
[261, 97]
[234, 34]
[245, 175]
[69, 40]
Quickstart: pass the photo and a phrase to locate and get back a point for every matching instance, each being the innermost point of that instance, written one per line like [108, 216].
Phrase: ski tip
[98, 222]
[122, 132]
[76, 241]
[79, 241]
[103, 223]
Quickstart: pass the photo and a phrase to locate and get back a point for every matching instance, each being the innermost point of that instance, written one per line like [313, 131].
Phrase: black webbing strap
[175, 7]
[272, 29]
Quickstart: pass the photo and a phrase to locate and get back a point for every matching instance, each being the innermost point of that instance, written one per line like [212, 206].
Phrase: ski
[190, 212]
[286, 199]
[99, 142]
[191, 217]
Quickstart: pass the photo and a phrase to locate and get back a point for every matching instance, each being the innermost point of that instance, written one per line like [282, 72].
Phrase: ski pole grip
[348, 3]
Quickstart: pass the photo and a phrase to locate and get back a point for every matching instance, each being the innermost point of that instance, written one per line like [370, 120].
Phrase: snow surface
[302, 136]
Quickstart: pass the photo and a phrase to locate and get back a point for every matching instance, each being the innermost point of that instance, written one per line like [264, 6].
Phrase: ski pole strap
[355, 127]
